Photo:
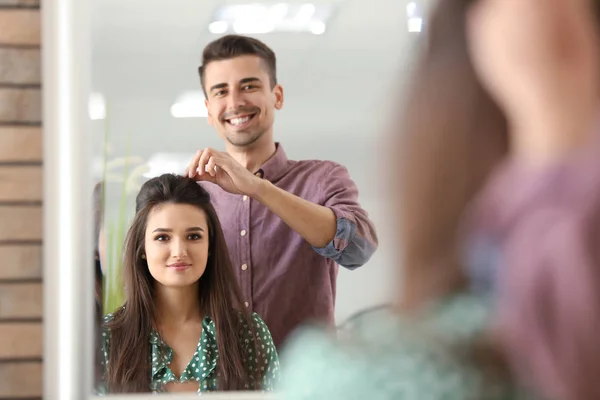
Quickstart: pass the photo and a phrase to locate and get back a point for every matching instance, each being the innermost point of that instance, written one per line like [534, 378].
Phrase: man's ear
[278, 93]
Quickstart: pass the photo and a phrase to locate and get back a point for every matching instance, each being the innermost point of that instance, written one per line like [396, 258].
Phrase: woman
[508, 86]
[184, 326]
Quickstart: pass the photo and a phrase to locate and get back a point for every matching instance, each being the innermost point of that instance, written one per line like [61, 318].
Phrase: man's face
[240, 102]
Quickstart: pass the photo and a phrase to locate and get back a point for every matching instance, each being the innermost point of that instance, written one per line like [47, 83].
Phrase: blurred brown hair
[451, 136]
[98, 215]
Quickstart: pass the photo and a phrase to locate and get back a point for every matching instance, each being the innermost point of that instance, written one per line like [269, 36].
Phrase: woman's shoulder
[253, 322]
[383, 354]
[259, 324]
[109, 317]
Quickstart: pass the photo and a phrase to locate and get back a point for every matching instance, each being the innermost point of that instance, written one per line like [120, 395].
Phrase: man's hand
[219, 167]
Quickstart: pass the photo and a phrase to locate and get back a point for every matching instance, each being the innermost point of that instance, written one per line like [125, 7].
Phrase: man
[287, 223]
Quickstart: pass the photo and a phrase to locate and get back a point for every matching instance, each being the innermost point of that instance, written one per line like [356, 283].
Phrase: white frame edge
[68, 315]
[194, 396]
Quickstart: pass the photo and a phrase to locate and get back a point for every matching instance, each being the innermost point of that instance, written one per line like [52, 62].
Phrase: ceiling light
[190, 105]
[415, 24]
[317, 27]
[268, 18]
[165, 163]
[305, 12]
[414, 16]
[252, 27]
[218, 27]
[96, 106]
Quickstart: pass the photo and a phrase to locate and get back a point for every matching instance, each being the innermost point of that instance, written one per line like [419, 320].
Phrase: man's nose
[236, 100]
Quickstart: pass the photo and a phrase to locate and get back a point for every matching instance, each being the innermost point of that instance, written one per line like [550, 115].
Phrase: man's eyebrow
[218, 86]
[248, 80]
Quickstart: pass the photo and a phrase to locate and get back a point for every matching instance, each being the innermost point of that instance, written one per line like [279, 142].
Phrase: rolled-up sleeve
[355, 238]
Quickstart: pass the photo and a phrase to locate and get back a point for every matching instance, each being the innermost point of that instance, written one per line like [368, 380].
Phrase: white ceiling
[337, 85]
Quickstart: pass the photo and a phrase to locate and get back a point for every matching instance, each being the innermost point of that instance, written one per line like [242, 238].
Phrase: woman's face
[176, 244]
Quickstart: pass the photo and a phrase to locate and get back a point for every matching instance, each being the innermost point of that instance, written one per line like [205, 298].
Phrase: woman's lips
[179, 266]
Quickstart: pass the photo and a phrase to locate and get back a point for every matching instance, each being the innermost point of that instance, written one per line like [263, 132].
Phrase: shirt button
[246, 303]
[244, 197]
[244, 267]
[243, 232]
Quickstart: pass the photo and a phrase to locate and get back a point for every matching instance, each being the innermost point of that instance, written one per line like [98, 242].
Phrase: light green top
[385, 356]
[202, 366]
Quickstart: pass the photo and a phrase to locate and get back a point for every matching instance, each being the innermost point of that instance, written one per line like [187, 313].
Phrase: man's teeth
[239, 121]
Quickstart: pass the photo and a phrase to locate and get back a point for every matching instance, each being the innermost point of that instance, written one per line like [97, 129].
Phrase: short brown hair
[231, 46]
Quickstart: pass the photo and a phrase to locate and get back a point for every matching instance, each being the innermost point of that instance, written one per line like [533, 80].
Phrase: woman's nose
[178, 249]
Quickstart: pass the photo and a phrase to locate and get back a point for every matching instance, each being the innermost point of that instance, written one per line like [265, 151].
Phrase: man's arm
[339, 229]
[315, 223]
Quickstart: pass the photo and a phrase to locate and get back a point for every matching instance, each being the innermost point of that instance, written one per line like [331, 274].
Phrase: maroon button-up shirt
[282, 277]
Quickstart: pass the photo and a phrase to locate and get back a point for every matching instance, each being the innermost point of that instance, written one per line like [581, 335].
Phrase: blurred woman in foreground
[497, 154]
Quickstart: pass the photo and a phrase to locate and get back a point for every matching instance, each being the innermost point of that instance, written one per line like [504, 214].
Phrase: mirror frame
[68, 316]
[68, 322]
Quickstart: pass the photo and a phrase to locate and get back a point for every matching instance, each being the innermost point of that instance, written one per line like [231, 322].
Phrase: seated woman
[184, 326]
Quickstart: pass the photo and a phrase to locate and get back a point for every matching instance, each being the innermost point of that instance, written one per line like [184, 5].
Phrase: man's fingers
[201, 166]
[193, 165]
[206, 178]
[211, 166]
[205, 160]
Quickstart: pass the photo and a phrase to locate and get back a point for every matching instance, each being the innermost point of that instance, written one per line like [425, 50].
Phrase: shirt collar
[275, 166]
[204, 360]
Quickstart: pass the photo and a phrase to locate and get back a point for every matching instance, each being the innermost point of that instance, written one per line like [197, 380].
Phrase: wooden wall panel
[21, 184]
[20, 223]
[20, 144]
[21, 340]
[21, 301]
[21, 262]
[20, 27]
[21, 287]
[20, 379]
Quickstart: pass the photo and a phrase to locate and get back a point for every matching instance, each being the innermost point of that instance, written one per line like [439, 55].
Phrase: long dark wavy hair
[98, 215]
[129, 366]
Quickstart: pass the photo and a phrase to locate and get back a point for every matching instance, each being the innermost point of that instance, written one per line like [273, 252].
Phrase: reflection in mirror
[206, 277]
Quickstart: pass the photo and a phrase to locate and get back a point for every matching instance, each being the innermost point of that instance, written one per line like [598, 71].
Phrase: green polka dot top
[202, 368]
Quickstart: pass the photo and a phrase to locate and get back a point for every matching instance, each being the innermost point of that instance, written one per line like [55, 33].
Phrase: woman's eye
[195, 236]
[161, 238]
